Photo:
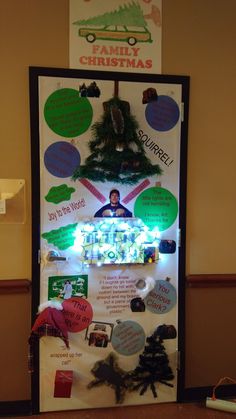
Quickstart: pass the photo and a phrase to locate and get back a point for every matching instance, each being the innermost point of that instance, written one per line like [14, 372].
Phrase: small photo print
[99, 334]
[67, 286]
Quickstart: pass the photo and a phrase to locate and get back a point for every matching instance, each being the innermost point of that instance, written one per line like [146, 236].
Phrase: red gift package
[63, 383]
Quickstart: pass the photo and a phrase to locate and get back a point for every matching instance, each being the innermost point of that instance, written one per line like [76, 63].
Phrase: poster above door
[124, 37]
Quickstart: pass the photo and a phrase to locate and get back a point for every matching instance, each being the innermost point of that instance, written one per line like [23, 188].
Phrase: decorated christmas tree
[153, 363]
[117, 154]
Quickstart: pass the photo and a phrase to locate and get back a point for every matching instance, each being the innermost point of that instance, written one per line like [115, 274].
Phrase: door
[108, 196]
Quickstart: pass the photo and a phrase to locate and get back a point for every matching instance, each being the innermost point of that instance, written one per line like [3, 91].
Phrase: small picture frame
[99, 334]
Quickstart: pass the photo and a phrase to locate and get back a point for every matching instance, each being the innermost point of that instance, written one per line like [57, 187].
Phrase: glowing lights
[88, 227]
[114, 241]
[123, 226]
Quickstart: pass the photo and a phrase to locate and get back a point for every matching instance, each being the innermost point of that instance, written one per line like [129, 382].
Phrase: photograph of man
[67, 290]
[114, 208]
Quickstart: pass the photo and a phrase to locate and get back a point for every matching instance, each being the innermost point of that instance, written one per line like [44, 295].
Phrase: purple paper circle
[61, 159]
[163, 114]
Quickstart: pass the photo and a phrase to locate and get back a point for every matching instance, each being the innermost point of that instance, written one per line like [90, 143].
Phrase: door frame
[34, 74]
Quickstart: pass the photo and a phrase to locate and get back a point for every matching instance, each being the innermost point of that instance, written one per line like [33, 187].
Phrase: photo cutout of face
[114, 208]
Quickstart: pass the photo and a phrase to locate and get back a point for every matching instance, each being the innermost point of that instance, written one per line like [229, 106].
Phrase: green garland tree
[117, 153]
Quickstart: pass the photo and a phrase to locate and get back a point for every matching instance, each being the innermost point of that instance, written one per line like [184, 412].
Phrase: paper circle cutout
[157, 207]
[68, 114]
[163, 114]
[128, 338]
[61, 159]
[78, 313]
[162, 298]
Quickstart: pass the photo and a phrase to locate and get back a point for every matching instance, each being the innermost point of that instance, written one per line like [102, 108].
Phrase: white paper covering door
[110, 165]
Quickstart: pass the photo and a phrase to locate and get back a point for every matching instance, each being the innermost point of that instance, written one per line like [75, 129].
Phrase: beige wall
[199, 41]
[33, 33]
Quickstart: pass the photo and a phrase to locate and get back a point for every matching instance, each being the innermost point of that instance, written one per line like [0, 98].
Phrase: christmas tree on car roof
[128, 14]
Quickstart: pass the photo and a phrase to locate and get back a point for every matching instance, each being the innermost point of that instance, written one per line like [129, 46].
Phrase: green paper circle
[157, 207]
[68, 114]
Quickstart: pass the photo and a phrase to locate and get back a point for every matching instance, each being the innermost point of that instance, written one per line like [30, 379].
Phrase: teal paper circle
[128, 338]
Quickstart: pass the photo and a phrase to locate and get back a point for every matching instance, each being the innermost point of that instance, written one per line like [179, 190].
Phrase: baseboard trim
[15, 286]
[198, 394]
[211, 280]
[18, 407]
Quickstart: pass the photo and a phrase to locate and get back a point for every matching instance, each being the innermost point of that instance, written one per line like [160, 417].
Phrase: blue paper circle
[162, 298]
[163, 114]
[61, 159]
[128, 338]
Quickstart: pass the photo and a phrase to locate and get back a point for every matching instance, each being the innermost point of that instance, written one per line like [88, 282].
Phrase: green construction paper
[62, 237]
[68, 114]
[157, 207]
[59, 194]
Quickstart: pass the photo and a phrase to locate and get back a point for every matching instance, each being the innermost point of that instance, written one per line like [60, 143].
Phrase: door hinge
[39, 256]
[182, 111]
[178, 353]
[179, 237]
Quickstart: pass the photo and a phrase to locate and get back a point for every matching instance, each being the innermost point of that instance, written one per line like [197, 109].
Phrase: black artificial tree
[117, 153]
[108, 372]
[153, 363]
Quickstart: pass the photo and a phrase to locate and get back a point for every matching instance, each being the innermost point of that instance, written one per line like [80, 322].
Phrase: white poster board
[120, 264]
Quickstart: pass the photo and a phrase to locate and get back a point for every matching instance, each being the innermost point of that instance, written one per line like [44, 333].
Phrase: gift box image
[63, 383]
